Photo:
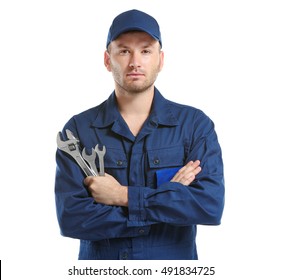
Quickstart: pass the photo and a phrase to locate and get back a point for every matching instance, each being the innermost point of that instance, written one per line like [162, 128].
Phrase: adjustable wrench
[71, 147]
[101, 154]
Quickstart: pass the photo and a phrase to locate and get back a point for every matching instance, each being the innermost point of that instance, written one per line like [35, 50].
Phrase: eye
[124, 52]
[146, 51]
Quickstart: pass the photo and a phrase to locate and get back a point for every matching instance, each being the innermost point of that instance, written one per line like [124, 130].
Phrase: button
[141, 231]
[119, 163]
[156, 161]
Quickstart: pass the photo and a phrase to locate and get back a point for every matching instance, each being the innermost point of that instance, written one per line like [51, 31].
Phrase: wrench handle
[88, 172]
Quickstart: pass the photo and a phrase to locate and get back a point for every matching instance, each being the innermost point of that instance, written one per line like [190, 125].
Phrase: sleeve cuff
[136, 209]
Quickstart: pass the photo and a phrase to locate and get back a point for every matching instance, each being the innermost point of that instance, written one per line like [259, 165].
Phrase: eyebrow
[145, 45]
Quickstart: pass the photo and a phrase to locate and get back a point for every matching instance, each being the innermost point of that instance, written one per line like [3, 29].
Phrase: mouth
[135, 75]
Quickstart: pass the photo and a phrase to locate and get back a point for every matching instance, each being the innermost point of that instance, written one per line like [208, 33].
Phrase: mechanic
[163, 161]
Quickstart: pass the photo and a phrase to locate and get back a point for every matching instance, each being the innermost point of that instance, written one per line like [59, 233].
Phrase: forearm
[107, 190]
[78, 214]
[173, 203]
[201, 202]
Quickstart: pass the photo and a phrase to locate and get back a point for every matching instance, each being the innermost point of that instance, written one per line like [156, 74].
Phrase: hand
[107, 190]
[186, 175]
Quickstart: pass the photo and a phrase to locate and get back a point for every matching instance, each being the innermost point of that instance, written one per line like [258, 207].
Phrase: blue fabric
[165, 175]
[131, 21]
[160, 220]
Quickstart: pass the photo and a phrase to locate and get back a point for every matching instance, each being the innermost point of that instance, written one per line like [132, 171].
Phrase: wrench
[90, 159]
[71, 147]
[101, 154]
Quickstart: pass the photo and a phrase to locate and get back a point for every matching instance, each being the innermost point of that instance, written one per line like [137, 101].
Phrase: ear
[161, 61]
[107, 60]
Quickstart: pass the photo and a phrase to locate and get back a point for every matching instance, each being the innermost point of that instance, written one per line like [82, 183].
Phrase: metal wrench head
[70, 135]
[71, 147]
[101, 154]
[90, 159]
[67, 146]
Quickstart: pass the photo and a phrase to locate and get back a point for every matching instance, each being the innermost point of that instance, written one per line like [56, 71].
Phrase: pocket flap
[115, 159]
[166, 157]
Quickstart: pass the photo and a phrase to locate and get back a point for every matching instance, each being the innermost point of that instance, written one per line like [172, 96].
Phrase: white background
[223, 57]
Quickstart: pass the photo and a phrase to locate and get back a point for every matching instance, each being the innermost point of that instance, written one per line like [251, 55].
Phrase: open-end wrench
[101, 154]
[90, 159]
[71, 147]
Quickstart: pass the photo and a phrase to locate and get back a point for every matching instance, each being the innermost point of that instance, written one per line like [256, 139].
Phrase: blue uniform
[161, 217]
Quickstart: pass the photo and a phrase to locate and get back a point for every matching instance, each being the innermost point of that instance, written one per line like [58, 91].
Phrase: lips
[135, 75]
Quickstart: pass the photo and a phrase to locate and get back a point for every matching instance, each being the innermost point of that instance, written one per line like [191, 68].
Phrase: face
[135, 59]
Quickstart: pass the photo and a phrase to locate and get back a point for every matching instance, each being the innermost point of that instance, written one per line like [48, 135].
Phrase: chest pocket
[163, 163]
[116, 163]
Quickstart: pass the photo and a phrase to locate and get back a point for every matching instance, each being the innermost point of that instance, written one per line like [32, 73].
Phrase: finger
[197, 170]
[88, 180]
[194, 164]
[190, 166]
[185, 171]
[189, 180]
[185, 175]
[180, 172]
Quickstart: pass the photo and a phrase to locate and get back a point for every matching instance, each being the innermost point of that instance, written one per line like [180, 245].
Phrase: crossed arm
[107, 190]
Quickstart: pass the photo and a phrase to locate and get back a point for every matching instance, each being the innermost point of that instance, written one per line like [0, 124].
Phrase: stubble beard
[134, 87]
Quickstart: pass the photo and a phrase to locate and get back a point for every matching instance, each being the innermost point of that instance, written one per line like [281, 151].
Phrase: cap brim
[128, 29]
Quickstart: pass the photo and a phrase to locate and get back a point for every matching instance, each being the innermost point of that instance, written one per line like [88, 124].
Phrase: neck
[135, 108]
[135, 103]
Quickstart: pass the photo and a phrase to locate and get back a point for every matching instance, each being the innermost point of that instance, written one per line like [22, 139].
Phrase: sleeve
[201, 202]
[77, 213]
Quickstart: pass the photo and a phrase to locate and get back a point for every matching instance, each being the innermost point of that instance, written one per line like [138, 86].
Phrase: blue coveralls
[160, 220]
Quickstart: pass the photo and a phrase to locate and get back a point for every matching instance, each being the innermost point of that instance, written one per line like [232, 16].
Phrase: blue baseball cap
[134, 20]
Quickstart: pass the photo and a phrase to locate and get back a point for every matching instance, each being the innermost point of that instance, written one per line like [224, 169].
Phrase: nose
[134, 62]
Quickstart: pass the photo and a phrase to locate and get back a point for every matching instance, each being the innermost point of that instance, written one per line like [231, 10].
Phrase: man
[154, 192]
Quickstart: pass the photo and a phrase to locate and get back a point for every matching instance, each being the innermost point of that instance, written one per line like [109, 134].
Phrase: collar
[161, 113]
